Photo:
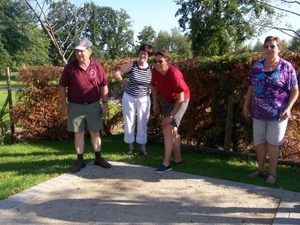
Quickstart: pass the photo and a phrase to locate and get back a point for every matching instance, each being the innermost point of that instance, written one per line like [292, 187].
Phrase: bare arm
[294, 92]
[154, 97]
[247, 103]
[123, 70]
[63, 99]
[178, 103]
[104, 94]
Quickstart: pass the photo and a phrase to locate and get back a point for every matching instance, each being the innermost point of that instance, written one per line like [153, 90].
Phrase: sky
[160, 15]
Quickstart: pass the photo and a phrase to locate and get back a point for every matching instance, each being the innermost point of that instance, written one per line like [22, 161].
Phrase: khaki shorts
[84, 116]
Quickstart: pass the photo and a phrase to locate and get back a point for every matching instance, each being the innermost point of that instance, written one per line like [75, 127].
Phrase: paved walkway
[129, 194]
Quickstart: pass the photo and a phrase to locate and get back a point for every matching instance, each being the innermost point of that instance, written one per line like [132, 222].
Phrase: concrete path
[129, 194]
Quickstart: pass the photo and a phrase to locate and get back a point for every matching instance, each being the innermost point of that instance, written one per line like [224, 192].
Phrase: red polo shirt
[83, 86]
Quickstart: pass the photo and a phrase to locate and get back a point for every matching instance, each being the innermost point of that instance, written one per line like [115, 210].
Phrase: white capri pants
[136, 112]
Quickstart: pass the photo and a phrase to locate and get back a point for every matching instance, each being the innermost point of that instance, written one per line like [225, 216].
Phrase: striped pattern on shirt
[139, 81]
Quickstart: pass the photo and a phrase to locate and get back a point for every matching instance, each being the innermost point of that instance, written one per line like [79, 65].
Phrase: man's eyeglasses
[269, 46]
[159, 61]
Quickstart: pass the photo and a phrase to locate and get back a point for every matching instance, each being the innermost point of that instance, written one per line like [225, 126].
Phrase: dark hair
[146, 48]
[163, 53]
[272, 38]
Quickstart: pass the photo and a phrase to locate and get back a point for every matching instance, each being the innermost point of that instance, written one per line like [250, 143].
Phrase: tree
[216, 26]
[21, 41]
[146, 36]
[284, 8]
[110, 32]
[5, 58]
[242, 48]
[258, 47]
[176, 43]
[162, 41]
[13, 23]
[62, 21]
[180, 44]
[294, 45]
[37, 52]
[284, 46]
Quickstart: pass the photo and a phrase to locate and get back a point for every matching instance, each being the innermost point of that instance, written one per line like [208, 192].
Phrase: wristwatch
[104, 102]
[171, 116]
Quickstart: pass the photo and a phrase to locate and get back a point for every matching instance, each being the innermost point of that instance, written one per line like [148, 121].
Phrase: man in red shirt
[82, 84]
[169, 82]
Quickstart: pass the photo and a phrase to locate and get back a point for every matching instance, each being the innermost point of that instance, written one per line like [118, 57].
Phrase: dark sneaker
[177, 163]
[102, 162]
[78, 166]
[163, 169]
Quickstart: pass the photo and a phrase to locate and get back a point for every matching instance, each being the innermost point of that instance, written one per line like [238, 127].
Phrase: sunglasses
[271, 46]
[159, 61]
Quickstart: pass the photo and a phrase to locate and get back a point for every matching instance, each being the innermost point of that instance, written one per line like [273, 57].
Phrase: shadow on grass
[54, 158]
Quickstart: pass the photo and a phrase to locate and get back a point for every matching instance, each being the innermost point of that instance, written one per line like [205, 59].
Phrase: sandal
[257, 173]
[271, 179]
[130, 152]
[143, 152]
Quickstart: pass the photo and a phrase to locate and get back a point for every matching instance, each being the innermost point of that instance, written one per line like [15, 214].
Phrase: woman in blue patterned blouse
[272, 92]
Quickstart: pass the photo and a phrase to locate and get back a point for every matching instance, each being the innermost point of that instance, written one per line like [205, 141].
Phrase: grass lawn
[25, 165]
[13, 80]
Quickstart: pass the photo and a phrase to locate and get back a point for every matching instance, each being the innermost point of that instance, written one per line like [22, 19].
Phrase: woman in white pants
[136, 98]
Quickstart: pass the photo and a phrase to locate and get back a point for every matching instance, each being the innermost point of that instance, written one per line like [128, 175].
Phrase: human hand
[155, 109]
[166, 121]
[65, 110]
[124, 84]
[104, 109]
[284, 115]
[246, 113]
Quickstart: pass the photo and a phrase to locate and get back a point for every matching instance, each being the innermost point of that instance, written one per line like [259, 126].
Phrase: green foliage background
[211, 81]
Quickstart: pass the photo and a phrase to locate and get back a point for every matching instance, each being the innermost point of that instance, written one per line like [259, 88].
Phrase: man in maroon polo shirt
[82, 84]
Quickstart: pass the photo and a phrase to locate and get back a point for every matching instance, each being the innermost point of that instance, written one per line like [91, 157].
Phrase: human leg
[176, 146]
[76, 124]
[79, 148]
[94, 125]
[171, 137]
[96, 143]
[262, 151]
[168, 143]
[273, 153]
[130, 149]
[259, 138]
[143, 112]
[95, 140]
[129, 115]
[275, 135]
[79, 142]
[175, 135]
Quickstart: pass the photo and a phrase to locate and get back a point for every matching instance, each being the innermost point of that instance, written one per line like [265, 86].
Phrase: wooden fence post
[9, 96]
[229, 122]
